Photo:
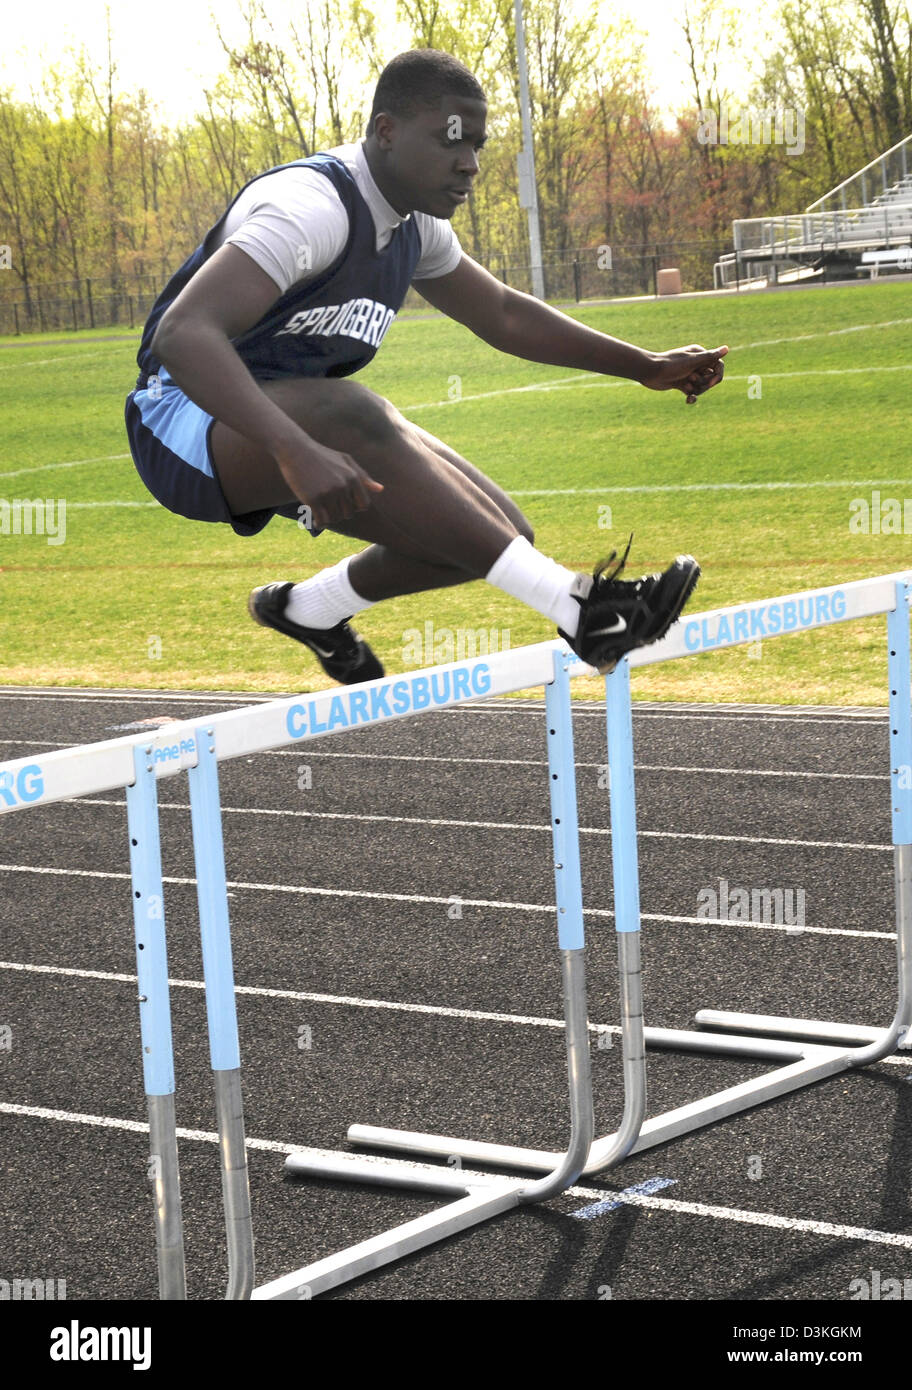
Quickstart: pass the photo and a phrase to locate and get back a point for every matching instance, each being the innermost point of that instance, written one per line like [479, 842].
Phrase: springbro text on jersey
[363, 319]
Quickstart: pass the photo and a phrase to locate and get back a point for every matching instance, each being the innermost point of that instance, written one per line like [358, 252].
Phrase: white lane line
[228, 701]
[771, 1220]
[313, 997]
[311, 891]
[535, 762]
[590, 709]
[732, 714]
[312, 752]
[351, 1001]
[495, 825]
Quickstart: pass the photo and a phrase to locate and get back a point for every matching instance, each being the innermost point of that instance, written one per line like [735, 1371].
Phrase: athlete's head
[426, 126]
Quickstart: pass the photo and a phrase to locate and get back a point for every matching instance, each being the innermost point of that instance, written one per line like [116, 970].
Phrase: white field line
[494, 825]
[524, 762]
[844, 483]
[593, 382]
[52, 361]
[854, 483]
[838, 483]
[80, 356]
[347, 1001]
[589, 378]
[73, 463]
[742, 347]
[825, 333]
[307, 890]
[770, 1220]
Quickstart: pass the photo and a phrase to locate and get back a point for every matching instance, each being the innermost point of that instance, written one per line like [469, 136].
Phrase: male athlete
[241, 411]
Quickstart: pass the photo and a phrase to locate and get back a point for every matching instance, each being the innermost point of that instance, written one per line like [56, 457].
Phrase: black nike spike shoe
[620, 614]
[344, 656]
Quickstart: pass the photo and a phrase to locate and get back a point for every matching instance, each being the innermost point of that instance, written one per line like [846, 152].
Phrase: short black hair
[421, 77]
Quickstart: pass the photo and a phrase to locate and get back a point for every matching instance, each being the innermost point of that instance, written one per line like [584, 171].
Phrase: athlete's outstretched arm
[525, 327]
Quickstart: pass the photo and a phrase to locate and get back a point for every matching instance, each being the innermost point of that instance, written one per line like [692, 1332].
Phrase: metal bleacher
[870, 211]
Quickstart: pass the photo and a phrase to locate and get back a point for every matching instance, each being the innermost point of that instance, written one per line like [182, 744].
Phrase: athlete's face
[428, 162]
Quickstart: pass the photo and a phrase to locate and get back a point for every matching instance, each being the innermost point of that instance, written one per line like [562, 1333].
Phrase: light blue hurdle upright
[155, 1022]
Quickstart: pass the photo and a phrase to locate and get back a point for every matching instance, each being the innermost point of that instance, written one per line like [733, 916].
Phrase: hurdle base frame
[804, 1063]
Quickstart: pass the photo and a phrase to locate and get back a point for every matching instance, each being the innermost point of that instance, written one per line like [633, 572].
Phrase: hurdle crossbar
[137, 763]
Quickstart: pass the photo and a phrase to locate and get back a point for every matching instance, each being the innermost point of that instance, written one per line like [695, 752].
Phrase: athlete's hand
[693, 370]
[331, 483]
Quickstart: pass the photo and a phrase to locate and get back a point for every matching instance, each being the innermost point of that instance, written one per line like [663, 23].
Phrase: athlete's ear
[382, 130]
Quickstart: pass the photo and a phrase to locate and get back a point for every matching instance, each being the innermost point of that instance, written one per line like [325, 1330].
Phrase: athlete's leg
[430, 510]
[435, 513]
[389, 571]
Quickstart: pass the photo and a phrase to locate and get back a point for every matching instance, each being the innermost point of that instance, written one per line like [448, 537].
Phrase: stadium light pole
[525, 163]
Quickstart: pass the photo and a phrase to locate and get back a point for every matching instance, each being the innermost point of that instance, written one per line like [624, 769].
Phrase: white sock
[526, 574]
[327, 599]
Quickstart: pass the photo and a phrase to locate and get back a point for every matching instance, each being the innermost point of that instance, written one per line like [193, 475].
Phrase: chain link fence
[596, 272]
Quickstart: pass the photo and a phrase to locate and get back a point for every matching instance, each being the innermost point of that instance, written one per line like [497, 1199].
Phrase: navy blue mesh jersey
[329, 326]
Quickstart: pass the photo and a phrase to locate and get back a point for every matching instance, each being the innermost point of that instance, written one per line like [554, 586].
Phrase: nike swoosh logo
[320, 651]
[619, 626]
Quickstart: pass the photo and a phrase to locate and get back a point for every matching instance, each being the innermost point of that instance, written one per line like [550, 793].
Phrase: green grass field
[816, 400]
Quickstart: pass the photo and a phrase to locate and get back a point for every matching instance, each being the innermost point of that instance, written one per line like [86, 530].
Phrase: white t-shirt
[293, 223]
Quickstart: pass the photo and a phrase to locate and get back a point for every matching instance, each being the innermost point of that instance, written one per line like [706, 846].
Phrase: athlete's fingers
[362, 486]
[699, 383]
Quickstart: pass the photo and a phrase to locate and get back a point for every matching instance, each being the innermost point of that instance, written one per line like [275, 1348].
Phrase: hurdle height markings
[138, 762]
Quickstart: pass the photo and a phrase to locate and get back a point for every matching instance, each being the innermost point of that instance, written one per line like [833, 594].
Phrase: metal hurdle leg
[221, 1011]
[805, 1062]
[483, 1196]
[155, 1024]
[881, 1042]
[627, 922]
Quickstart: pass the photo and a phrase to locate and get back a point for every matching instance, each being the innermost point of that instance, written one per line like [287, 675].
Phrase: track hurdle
[138, 763]
[805, 1050]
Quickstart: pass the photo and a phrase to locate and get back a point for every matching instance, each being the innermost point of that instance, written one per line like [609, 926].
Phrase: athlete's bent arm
[525, 327]
[226, 296]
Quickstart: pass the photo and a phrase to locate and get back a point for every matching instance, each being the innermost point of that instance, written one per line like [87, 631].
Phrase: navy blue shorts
[170, 443]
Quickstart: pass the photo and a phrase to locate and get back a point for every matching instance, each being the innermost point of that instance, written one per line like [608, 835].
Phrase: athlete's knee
[354, 419]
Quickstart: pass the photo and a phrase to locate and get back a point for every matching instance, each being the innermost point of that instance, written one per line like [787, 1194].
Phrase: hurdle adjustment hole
[137, 894]
[136, 842]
